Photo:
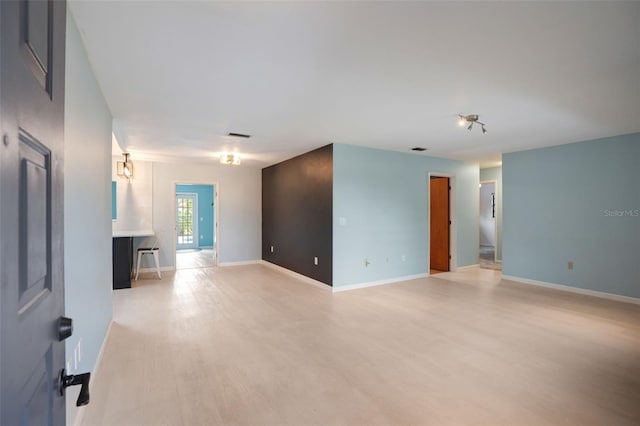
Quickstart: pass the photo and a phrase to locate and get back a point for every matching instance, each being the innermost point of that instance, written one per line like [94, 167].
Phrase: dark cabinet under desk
[122, 261]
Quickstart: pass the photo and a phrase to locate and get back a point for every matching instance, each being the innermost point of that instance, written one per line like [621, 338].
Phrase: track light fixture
[471, 119]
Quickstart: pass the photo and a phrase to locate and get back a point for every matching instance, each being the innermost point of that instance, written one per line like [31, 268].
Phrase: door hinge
[449, 257]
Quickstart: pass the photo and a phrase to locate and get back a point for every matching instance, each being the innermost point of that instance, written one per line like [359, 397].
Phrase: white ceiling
[179, 75]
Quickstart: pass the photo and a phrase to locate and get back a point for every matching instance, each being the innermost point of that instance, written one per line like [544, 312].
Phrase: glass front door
[186, 232]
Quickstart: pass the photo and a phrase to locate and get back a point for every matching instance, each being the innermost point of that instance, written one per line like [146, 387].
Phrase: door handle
[72, 380]
[65, 328]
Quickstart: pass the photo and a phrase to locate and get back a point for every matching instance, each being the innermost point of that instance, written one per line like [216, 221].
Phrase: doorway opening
[487, 225]
[195, 225]
[440, 220]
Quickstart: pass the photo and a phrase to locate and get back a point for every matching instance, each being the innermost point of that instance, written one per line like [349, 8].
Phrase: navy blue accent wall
[297, 209]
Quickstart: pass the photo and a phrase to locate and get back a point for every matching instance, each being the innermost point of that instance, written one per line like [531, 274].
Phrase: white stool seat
[155, 251]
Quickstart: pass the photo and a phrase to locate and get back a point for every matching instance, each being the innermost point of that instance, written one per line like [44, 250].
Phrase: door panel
[35, 181]
[439, 226]
[31, 211]
[37, 39]
[37, 393]
[186, 221]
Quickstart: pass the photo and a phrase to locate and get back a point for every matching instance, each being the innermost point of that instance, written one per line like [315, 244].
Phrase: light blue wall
[87, 215]
[580, 203]
[205, 211]
[495, 173]
[383, 197]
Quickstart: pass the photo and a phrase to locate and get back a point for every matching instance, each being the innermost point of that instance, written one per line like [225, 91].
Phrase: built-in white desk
[143, 233]
[122, 245]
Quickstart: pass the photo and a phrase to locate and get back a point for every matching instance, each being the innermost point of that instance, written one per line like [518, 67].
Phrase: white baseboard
[570, 289]
[462, 268]
[104, 344]
[300, 277]
[242, 263]
[81, 410]
[380, 282]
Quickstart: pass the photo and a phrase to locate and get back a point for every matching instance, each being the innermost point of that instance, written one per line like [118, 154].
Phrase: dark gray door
[31, 210]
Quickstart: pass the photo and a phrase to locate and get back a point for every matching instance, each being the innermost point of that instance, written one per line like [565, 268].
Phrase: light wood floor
[248, 345]
[204, 258]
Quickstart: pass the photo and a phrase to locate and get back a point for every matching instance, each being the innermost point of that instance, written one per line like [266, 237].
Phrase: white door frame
[216, 216]
[452, 217]
[495, 221]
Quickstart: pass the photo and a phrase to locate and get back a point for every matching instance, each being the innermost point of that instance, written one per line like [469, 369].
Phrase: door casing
[495, 222]
[216, 216]
[452, 217]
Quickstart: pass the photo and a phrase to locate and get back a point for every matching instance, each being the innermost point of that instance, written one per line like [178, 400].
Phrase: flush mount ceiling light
[229, 158]
[469, 121]
[125, 168]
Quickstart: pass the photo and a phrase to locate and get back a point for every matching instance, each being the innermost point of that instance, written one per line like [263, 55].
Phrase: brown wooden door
[439, 227]
[31, 210]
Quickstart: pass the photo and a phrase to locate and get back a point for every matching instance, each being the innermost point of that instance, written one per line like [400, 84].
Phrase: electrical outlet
[570, 265]
[315, 260]
[404, 257]
[271, 249]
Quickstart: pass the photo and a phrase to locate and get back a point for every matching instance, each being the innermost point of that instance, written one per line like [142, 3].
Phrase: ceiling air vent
[239, 135]
[419, 149]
